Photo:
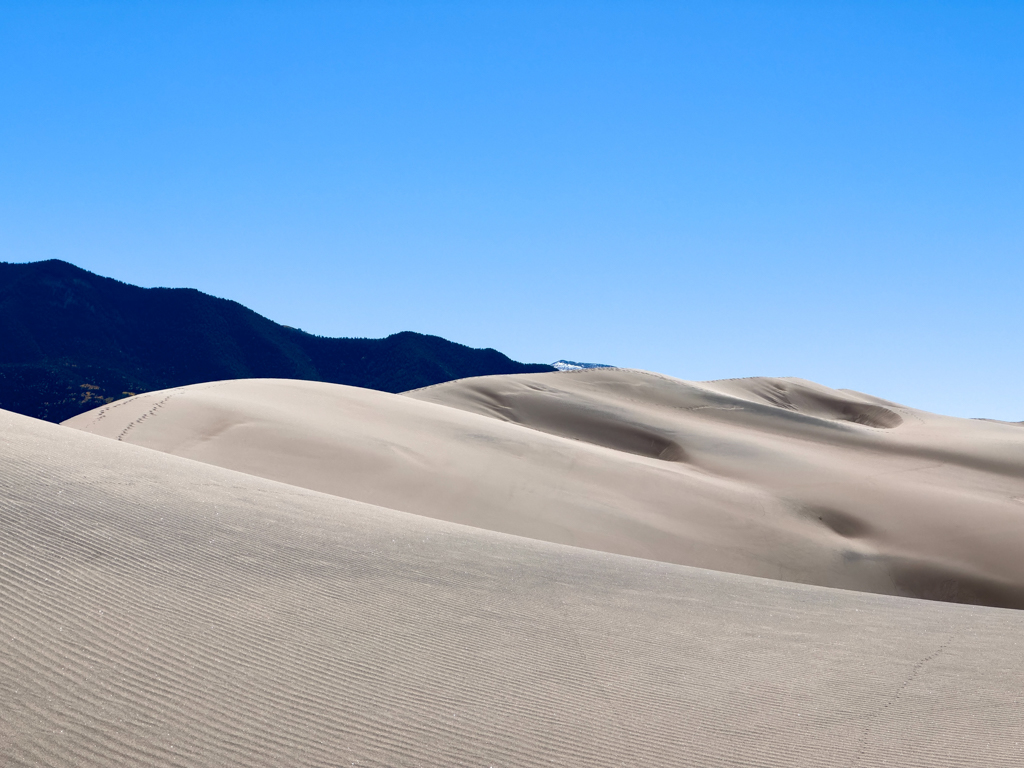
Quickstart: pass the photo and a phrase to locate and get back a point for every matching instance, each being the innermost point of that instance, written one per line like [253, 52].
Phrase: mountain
[73, 340]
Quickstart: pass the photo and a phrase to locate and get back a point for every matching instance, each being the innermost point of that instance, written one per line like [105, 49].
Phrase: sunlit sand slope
[768, 477]
[162, 612]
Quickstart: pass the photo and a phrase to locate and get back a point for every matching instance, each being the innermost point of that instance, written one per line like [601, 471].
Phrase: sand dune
[159, 611]
[778, 478]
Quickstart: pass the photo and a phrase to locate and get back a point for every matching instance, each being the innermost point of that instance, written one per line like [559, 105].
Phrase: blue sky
[709, 190]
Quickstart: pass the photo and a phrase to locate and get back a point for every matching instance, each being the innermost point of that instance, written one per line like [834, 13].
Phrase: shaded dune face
[811, 400]
[843, 524]
[779, 478]
[547, 410]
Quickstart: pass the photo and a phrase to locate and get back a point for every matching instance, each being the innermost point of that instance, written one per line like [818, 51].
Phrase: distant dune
[777, 478]
[159, 611]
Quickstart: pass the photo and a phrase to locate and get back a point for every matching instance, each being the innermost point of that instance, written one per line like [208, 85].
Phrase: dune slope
[766, 477]
[163, 612]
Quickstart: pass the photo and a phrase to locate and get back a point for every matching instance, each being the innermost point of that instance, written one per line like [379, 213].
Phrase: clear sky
[712, 189]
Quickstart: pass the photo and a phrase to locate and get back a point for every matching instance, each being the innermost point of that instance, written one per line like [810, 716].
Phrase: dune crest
[777, 478]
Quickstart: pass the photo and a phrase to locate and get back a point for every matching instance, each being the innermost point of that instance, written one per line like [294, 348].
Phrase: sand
[776, 478]
[161, 611]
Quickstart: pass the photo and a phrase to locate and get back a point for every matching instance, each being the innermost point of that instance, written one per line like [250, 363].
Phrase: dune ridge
[778, 478]
[160, 611]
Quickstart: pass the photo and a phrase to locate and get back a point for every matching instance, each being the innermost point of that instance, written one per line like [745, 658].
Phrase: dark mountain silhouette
[71, 340]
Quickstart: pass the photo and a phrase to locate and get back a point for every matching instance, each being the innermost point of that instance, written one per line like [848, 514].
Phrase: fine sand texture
[159, 611]
[778, 478]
